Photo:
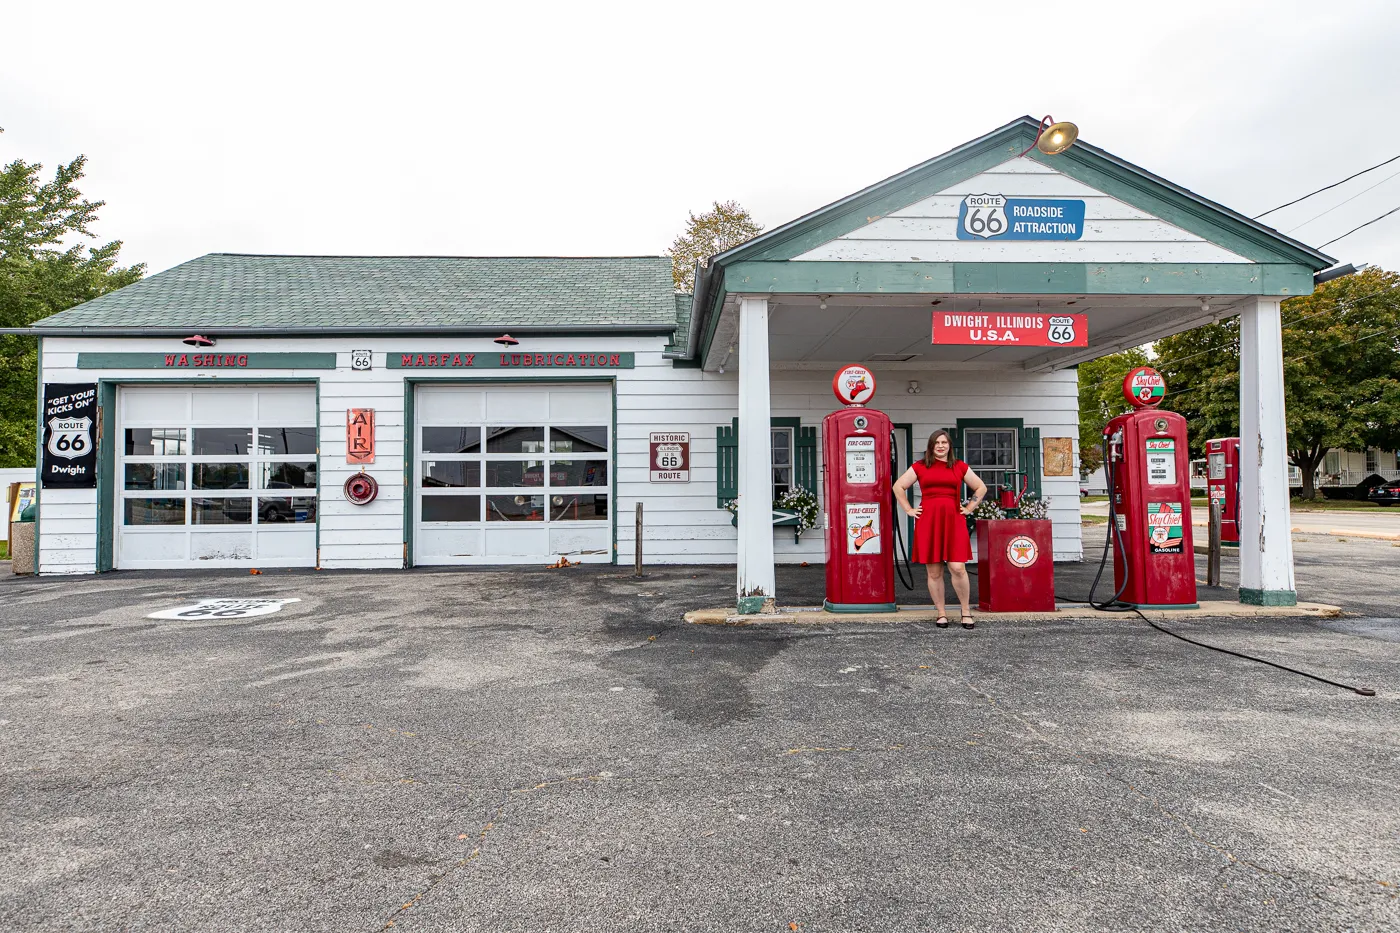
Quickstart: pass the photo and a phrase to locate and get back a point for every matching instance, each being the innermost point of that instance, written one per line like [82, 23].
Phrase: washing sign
[1161, 461]
[997, 217]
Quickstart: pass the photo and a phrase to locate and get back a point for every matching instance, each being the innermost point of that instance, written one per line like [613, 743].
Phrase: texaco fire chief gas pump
[859, 526]
[1150, 510]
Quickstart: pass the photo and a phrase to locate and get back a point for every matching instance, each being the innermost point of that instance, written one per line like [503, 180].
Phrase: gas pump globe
[1150, 474]
[856, 482]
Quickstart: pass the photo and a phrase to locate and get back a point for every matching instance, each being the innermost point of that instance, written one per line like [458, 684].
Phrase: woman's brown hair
[932, 439]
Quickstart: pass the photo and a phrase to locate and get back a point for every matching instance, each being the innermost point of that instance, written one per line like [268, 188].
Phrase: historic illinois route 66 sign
[670, 457]
[70, 437]
[984, 215]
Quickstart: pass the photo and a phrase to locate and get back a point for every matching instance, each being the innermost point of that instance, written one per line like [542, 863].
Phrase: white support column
[756, 580]
[1266, 543]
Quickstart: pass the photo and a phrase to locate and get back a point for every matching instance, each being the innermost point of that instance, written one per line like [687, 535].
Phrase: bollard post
[637, 570]
[1213, 548]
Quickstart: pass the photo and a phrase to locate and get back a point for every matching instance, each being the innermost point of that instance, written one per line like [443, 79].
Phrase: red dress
[940, 532]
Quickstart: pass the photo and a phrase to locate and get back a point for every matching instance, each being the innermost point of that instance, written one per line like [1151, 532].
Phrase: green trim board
[1017, 278]
[106, 473]
[573, 361]
[38, 453]
[1254, 597]
[857, 608]
[410, 430]
[206, 362]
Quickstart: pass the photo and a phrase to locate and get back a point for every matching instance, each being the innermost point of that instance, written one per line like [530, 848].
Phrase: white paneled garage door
[215, 476]
[513, 474]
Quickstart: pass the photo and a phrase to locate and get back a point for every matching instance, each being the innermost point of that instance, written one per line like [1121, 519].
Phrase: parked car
[1385, 494]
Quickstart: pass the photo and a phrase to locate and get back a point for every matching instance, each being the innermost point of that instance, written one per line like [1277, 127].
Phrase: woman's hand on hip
[914, 512]
[968, 509]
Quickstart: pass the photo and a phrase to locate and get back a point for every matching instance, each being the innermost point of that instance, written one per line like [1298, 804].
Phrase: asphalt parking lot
[555, 750]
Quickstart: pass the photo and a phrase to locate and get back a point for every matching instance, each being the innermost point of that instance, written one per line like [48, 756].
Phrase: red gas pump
[859, 525]
[1150, 477]
[1223, 478]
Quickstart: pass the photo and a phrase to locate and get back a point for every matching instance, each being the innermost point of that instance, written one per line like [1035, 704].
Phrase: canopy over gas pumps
[1003, 239]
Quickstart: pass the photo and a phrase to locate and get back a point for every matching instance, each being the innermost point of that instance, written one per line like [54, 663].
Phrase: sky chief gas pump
[1223, 481]
[1150, 499]
[860, 524]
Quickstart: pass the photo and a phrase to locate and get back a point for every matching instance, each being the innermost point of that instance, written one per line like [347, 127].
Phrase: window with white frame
[1373, 459]
[781, 441]
[990, 453]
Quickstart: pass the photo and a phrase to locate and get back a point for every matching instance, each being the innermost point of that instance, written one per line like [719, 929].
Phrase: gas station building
[515, 410]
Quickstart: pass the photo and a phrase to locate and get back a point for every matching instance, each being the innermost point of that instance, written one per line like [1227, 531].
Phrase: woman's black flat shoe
[942, 622]
[969, 624]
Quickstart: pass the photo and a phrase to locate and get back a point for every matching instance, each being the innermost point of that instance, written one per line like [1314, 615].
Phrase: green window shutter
[1030, 459]
[804, 440]
[726, 464]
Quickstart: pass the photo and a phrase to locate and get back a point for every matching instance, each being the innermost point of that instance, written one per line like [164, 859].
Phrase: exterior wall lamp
[1053, 138]
[198, 340]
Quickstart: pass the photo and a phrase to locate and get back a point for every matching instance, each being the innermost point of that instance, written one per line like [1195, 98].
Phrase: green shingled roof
[231, 290]
[681, 341]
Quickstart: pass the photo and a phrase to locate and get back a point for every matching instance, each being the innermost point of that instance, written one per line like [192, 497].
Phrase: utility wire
[1343, 307]
[1366, 224]
[1329, 187]
[1342, 203]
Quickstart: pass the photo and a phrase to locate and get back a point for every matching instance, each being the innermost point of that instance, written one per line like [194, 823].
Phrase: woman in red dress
[940, 529]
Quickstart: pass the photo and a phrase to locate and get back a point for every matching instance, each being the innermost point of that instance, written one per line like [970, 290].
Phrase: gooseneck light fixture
[1053, 138]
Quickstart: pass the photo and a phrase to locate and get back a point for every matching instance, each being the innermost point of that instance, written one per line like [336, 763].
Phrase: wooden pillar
[755, 557]
[1266, 542]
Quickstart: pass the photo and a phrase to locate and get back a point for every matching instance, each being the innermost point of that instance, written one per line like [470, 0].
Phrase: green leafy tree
[709, 234]
[1101, 399]
[41, 274]
[1341, 370]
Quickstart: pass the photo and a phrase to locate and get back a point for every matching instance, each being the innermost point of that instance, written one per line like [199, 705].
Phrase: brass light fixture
[1053, 138]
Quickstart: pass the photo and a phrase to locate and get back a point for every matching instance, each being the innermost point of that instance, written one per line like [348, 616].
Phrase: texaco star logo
[1021, 551]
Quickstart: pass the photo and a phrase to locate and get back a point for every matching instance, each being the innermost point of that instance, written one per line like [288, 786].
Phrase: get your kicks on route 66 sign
[70, 448]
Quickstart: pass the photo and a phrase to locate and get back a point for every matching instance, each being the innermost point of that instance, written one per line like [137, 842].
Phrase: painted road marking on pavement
[223, 609]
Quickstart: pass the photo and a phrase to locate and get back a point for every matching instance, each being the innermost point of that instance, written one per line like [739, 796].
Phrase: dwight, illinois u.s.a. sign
[1012, 329]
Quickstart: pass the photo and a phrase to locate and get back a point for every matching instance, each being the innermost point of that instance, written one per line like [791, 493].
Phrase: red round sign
[1144, 387]
[361, 489]
[854, 385]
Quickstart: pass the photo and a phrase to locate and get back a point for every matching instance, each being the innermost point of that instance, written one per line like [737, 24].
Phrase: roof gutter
[472, 330]
[698, 309]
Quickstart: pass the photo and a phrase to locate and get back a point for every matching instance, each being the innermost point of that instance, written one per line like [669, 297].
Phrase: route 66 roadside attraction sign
[70, 448]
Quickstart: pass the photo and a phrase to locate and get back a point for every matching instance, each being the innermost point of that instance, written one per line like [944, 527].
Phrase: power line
[1366, 224]
[1342, 203]
[1343, 307]
[1329, 187]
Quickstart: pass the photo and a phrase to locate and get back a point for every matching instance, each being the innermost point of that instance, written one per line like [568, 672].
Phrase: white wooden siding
[1114, 231]
[683, 524]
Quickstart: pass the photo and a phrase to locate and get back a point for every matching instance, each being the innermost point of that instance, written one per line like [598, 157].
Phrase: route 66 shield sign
[984, 215]
[70, 438]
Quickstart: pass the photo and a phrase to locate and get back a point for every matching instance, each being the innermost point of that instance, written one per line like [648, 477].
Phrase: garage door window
[526, 473]
[219, 476]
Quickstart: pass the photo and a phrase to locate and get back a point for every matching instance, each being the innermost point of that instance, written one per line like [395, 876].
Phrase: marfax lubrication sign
[670, 457]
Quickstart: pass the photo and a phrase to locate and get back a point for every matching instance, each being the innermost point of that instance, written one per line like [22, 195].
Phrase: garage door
[513, 474]
[215, 476]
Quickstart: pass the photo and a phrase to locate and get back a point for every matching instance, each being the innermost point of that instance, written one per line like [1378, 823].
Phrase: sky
[593, 128]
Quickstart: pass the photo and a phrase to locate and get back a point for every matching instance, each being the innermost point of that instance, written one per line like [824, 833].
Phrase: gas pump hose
[1112, 605]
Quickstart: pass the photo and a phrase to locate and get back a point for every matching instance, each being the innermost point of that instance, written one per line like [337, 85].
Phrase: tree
[1101, 399]
[1341, 370]
[40, 276]
[706, 235]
